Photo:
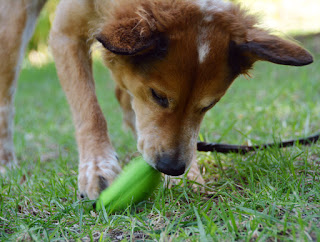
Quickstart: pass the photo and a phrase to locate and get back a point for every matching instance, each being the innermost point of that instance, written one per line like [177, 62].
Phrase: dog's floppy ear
[262, 45]
[128, 36]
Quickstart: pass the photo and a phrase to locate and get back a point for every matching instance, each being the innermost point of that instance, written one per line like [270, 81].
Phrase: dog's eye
[162, 101]
[205, 109]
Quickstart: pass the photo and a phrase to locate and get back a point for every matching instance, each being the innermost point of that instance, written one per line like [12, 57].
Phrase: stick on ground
[243, 149]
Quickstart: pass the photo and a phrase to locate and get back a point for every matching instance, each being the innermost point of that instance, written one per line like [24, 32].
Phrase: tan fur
[172, 60]
[15, 17]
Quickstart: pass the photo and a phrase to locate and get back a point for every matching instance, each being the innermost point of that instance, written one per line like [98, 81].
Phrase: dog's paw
[95, 175]
[195, 175]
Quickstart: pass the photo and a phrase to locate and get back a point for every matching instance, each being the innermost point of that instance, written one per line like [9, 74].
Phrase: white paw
[97, 174]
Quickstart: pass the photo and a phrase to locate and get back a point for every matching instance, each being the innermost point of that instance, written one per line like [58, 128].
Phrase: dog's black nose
[170, 165]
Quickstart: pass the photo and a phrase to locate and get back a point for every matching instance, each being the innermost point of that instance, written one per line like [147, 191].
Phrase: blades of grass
[301, 223]
[220, 166]
[201, 138]
[238, 175]
[46, 236]
[224, 216]
[53, 233]
[227, 130]
[233, 222]
[211, 226]
[291, 165]
[285, 220]
[104, 213]
[90, 235]
[203, 235]
[101, 236]
[80, 217]
[233, 197]
[259, 214]
[251, 181]
[1, 205]
[293, 232]
[210, 204]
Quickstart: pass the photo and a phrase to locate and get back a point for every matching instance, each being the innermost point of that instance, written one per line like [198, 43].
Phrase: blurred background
[291, 17]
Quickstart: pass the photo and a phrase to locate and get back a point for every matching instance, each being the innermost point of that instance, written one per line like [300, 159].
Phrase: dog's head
[177, 58]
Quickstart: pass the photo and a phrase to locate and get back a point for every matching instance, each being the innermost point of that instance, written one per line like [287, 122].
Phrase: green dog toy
[136, 182]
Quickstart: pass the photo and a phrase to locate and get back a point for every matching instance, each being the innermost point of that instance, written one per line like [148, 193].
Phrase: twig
[243, 149]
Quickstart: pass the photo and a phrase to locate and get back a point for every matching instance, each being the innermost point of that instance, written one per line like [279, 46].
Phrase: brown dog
[172, 61]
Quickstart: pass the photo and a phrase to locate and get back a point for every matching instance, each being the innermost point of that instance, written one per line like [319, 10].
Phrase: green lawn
[268, 195]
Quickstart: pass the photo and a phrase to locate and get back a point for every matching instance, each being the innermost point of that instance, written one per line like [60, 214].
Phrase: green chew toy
[136, 182]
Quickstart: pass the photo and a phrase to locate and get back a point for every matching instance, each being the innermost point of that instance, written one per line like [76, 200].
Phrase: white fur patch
[203, 45]
[208, 18]
[203, 51]
[104, 165]
[213, 5]
[208, 7]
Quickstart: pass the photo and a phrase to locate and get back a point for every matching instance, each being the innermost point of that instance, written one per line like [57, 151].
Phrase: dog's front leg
[18, 19]
[70, 43]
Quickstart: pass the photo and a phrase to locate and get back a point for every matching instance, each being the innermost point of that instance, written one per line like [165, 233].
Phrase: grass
[268, 195]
